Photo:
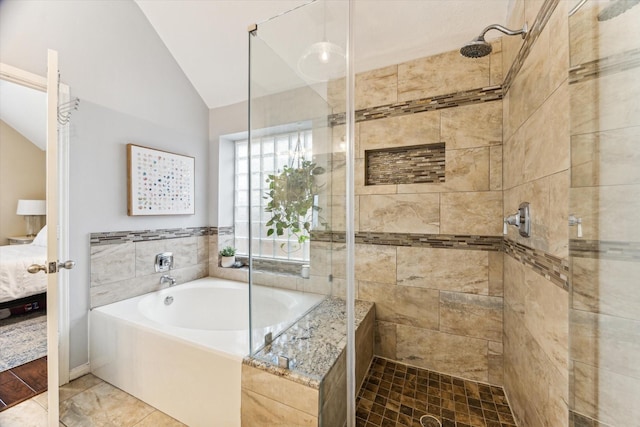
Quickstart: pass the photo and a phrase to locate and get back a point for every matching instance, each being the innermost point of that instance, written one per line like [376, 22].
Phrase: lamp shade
[31, 207]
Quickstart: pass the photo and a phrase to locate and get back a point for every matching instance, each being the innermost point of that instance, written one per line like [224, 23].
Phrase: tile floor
[22, 382]
[394, 394]
[88, 401]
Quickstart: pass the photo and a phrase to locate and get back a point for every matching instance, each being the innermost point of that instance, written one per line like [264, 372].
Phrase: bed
[16, 283]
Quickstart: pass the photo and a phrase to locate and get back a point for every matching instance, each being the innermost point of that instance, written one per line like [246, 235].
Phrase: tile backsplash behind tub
[122, 263]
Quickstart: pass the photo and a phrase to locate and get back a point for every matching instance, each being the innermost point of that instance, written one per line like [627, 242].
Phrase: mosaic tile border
[473, 96]
[222, 231]
[604, 249]
[468, 97]
[119, 237]
[551, 267]
[605, 66]
[276, 266]
[578, 420]
[395, 394]
[415, 164]
[535, 30]
[443, 241]
[554, 269]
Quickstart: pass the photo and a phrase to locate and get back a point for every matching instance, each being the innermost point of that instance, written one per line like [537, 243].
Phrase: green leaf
[290, 200]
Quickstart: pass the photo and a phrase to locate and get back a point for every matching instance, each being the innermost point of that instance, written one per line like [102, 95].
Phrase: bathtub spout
[166, 278]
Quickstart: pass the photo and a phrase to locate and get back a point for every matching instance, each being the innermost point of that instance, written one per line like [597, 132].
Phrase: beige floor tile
[88, 401]
[103, 405]
[78, 385]
[159, 419]
[42, 399]
[69, 390]
[26, 414]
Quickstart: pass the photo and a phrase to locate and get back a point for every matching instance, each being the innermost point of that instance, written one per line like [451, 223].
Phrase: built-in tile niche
[415, 164]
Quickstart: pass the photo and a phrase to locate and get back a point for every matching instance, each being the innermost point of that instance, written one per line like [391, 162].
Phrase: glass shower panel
[604, 197]
[298, 256]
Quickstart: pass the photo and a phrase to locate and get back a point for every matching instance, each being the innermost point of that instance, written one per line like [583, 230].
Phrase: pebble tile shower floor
[394, 394]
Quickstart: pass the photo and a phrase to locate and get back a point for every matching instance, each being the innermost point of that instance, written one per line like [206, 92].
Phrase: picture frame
[159, 182]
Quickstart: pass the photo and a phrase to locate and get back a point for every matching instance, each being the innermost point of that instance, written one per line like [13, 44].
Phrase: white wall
[223, 121]
[131, 90]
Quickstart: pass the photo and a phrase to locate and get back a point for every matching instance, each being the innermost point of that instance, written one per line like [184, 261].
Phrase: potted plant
[291, 199]
[228, 256]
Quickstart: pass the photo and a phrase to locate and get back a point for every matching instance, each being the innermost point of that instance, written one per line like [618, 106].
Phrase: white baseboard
[79, 371]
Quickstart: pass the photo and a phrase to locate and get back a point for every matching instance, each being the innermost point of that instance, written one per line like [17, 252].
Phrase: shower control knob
[573, 221]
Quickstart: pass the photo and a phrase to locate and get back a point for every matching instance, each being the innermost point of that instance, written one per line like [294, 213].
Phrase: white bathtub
[185, 358]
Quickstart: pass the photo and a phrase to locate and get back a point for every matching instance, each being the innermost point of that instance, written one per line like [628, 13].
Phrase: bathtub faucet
[166, 278]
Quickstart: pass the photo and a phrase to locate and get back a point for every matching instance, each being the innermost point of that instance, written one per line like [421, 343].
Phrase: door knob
[35, 268]
[67, 264]
[54, 267]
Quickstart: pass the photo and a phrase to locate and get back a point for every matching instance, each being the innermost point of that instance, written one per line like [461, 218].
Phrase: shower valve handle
[521, 220]
[574, 220]
[511, 220]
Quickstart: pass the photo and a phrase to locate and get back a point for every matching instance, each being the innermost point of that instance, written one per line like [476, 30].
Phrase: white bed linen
[15, 281]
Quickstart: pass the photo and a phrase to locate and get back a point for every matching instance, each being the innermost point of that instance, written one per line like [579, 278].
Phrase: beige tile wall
[121, 271]
[435, 308]
[605, 124]
[536, 169]
[269, 399]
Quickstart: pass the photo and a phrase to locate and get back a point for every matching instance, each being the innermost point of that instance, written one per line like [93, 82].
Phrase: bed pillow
[41, 238]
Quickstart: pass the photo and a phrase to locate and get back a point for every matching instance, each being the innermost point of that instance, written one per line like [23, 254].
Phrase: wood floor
[22, 382]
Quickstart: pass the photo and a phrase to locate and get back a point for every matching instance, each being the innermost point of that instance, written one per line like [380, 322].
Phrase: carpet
[22, 339]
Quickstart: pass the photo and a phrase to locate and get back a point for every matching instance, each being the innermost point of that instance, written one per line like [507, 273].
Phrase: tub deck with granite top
[312, 391]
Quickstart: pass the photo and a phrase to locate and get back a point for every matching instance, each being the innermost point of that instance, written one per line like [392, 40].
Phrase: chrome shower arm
[505, 30]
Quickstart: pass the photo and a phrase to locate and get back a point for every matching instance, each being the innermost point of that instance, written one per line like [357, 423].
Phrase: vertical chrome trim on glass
[252, 32]
[350, 222]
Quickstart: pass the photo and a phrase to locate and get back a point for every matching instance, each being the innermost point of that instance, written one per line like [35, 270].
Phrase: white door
[52, 238]
[57, 237]
[57, 220]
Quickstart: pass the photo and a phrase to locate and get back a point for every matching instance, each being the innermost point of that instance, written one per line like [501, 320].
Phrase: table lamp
[32, 210]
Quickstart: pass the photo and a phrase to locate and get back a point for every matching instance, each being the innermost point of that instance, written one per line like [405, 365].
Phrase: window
[268, 156]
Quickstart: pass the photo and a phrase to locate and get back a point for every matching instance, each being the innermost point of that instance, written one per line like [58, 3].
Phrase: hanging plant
[291, 200]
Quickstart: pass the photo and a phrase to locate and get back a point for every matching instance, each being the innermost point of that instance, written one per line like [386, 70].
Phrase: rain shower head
[617, 7]
[479, 47]
[476, 48]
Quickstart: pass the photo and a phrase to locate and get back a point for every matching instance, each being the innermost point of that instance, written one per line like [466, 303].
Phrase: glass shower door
[604, 196]
[298, 163]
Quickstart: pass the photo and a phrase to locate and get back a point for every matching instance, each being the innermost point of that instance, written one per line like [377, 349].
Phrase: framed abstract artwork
[159, 182]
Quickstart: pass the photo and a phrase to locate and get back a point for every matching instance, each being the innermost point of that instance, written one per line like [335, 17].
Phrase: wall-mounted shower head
[479, 47]
[476, 48]
[617, 7]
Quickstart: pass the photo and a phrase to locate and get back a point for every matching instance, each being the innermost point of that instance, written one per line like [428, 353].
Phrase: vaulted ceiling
[208, 38]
